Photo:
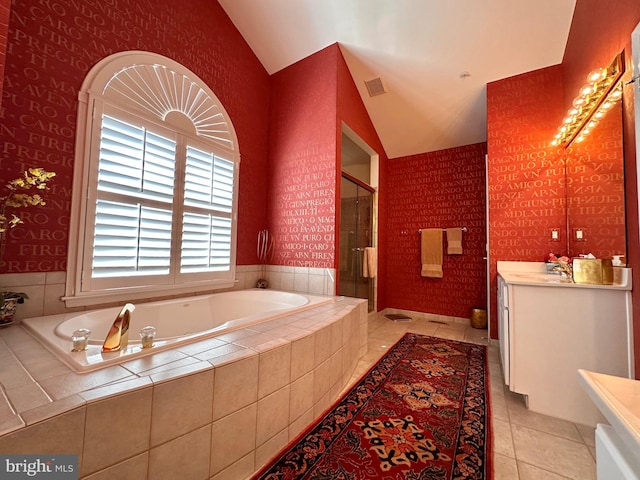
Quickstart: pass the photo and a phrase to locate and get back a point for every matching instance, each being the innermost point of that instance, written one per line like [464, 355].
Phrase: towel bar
[464, 229]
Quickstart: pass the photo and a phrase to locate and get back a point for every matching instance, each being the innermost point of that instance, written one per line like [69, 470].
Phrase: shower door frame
[371, 290]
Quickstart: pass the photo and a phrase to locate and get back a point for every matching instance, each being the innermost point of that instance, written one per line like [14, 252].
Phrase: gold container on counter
[593, 271]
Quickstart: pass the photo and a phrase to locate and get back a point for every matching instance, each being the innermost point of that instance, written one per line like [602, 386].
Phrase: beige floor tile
[531, 472]
[499, 409]
[504, 468]
[519, 415]
[451, 331]
[502, 440]
[588, 434]
[552, 453]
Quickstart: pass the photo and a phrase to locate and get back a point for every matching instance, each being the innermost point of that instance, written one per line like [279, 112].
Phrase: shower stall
[356, 233]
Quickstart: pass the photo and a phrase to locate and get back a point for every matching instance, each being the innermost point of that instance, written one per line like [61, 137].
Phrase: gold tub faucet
[118, 335]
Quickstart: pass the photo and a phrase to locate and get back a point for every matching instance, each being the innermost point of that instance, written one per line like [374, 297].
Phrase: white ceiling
[420, 49]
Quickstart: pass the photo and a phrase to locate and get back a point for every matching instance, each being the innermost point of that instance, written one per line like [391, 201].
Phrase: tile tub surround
[46, 289]
[218, 408]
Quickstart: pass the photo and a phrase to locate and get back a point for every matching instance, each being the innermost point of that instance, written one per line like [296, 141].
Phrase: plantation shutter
[208, 201]
[136, 210]
[154, 210]
[133, 221]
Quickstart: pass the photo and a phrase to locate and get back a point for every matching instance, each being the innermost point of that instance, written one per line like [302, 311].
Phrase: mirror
[595, 190]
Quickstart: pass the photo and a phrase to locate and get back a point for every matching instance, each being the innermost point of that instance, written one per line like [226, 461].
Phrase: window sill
[150, 293]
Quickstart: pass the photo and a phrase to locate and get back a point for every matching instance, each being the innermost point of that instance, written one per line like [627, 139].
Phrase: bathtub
[177, 321]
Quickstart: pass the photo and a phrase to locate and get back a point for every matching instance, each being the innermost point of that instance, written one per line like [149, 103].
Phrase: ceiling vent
[375, 87]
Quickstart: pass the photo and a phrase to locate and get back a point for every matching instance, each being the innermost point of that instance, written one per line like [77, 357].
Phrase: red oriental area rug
[420, 413]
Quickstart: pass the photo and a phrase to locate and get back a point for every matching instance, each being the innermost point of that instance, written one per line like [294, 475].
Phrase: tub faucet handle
[118, 336]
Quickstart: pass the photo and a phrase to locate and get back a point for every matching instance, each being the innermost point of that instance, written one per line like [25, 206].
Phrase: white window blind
[154, 210]
[208, 200]
[137, 209]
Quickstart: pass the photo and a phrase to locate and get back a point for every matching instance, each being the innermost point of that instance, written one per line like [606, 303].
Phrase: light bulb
[597, 75]
[586, 90]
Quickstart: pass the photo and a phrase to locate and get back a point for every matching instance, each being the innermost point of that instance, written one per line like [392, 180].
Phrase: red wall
[351, 111]
[595, 190]
[5, 7]
[439, 189]
[302, 161]
[525, 173]
[309, 102]
[599, 31]
[50, 48]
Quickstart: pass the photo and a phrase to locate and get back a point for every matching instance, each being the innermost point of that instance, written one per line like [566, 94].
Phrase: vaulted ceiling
[434, 57]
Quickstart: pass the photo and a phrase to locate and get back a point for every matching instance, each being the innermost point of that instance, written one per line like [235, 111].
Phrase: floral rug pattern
[420, 413]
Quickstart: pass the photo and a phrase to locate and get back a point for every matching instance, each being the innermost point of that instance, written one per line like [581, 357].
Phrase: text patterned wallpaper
[595, 190]
[437, 190]
[525, 173]
[51, 46]
[5, 6]
[302, 162]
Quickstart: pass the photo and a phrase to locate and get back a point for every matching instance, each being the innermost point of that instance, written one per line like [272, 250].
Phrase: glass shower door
[356, 233]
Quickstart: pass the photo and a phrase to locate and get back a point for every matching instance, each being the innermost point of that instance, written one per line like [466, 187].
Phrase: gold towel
[454, 241]
[369, 264]
[431, 252]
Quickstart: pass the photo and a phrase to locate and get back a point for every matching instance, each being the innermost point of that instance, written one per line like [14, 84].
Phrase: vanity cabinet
[549, 328]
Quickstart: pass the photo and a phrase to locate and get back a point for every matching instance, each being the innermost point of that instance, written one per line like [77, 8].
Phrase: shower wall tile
[302, 356]
[233, 437]
[243, 468]
[132, 468]
[184, 457]
[273, 415]
[61, 434]
[274, 370]
[235, 386]
[125, 416]
[189, 399]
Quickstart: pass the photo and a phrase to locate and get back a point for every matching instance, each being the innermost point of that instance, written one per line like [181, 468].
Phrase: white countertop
[535, 273]
[618, 399]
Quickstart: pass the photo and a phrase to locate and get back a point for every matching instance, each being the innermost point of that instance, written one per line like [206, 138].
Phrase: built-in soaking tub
[177, 321]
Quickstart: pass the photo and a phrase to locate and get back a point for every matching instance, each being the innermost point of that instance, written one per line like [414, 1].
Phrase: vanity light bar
[602, 91]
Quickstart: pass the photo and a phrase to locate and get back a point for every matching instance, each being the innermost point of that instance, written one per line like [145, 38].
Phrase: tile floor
[527, 445]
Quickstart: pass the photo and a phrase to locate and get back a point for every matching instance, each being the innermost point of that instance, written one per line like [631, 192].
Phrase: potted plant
[8, 304]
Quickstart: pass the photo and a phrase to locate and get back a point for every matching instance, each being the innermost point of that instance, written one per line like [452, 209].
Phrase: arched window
[155, 184]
